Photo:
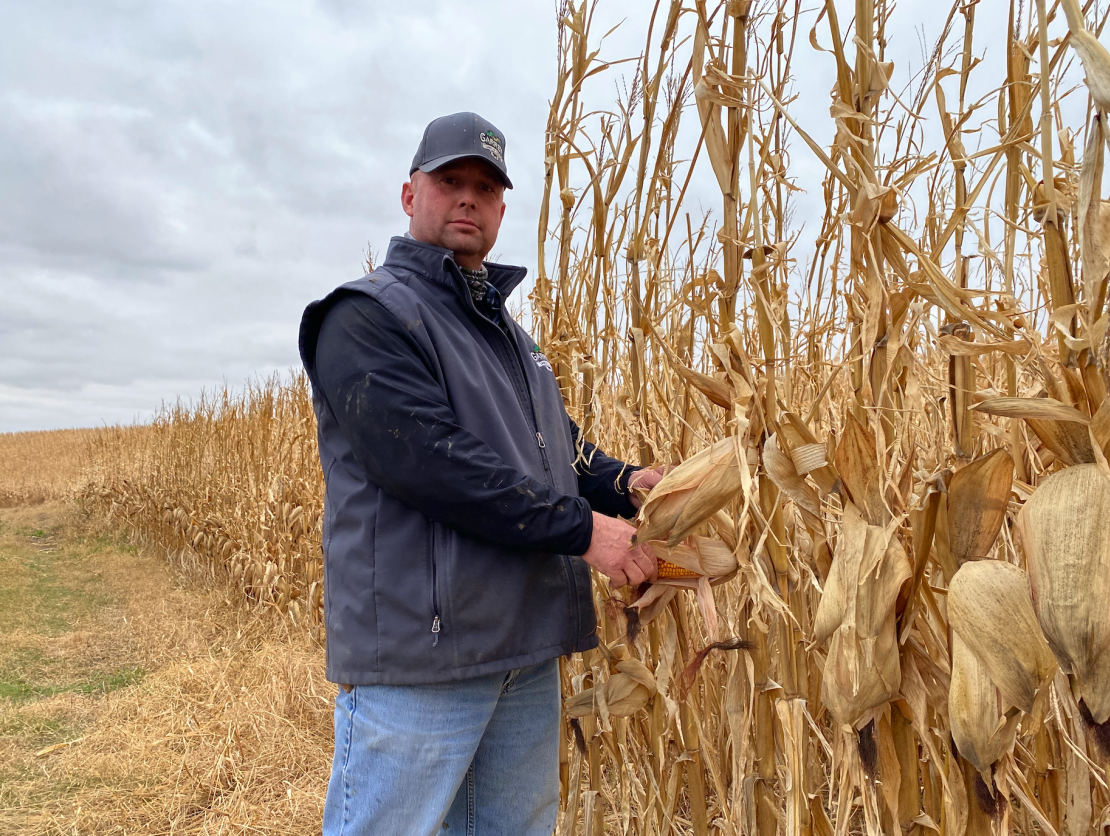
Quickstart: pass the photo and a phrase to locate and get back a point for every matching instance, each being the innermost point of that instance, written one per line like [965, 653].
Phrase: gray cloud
[181, 178]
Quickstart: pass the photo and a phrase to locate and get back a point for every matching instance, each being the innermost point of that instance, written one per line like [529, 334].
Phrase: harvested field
[135, 700]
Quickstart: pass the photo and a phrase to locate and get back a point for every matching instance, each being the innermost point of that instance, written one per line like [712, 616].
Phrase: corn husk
[690, 494]
[1095, 58]
[990, 608]
[977, 498]
[703, 555]
[783, 472]
[856, 617]
[809, 455]
[1100, 435]
[1094, 221]
[625, 692]
[1062, 428]
[860, 472]
[982, 732]
[1066, 539]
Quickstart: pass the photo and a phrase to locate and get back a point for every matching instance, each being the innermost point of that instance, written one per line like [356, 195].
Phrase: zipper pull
[435, 631]
[539, 438]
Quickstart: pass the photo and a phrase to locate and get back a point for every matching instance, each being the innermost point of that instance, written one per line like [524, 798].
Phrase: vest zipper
[531, 411]
[531, 406]
[436, 623]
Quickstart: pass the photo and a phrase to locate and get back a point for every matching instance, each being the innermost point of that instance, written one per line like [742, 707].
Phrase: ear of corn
[1062, 428]
[623, 693]
[670, 571]
[982, 734]
[856, 617]
[691, 493]
[991, 609]
[704, 557]
[1067, 544]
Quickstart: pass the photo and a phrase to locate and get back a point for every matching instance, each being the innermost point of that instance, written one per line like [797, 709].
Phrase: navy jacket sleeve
[602, 479]
[402, 430]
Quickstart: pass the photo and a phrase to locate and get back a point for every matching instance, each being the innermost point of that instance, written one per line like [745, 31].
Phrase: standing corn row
[878, 654]
[231, 486]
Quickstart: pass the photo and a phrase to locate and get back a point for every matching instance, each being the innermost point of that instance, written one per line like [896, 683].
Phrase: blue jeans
[473, 758]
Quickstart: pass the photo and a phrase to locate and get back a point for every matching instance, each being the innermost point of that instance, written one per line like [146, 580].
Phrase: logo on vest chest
[540, 358]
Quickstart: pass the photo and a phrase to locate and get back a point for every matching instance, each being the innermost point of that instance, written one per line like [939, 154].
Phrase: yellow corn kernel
[668, 571]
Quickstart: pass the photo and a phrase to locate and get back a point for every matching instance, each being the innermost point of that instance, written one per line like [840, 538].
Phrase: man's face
[458, 206]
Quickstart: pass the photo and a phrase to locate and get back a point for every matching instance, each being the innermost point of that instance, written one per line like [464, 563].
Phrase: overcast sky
[179, 178]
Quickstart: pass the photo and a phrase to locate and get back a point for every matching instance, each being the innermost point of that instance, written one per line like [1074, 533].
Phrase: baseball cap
[457, 137]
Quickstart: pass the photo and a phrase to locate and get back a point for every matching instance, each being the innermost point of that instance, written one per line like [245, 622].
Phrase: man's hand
[611, 552]
[643, 480]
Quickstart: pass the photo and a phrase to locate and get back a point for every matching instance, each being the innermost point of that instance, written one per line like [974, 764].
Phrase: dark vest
[392, 575]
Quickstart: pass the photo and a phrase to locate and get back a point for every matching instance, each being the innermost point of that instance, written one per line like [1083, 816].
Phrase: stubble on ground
[136, 700]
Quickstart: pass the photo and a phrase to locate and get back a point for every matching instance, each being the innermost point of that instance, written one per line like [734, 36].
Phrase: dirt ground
[136, 700]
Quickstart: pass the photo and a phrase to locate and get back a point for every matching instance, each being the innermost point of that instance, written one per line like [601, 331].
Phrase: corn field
[887, 604]
[231, 485]
[38, 466]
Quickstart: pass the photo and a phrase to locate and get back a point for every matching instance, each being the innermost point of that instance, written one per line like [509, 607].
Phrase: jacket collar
[438, 265]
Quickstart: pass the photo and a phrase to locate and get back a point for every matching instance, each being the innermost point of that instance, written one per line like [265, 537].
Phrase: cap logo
[492, 143]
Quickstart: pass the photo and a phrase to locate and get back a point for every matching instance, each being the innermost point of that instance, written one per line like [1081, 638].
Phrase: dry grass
[238, 741]
[224, 726]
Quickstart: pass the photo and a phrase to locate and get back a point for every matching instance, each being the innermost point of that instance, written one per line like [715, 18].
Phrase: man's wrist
[586, 535]
[625, 479]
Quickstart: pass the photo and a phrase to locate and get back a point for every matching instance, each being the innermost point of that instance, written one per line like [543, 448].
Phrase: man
[462, 513]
